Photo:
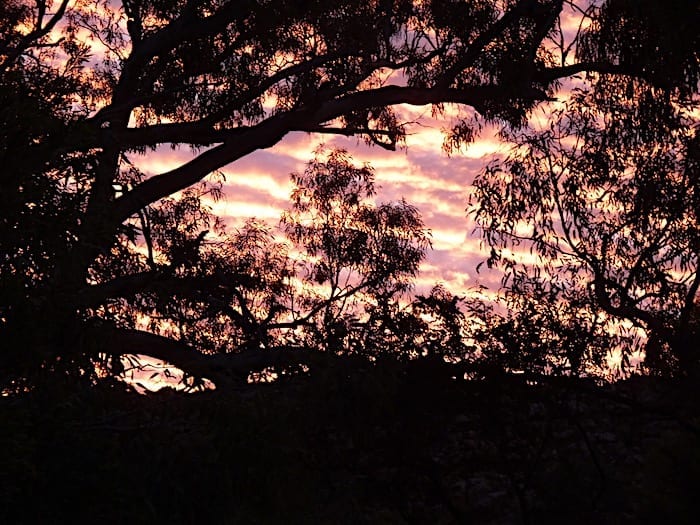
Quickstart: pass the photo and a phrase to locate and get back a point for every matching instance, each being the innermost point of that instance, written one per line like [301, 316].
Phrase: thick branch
[259, 137]
[551, 74]
[125, 341]
[272, 130]
[200, 134]
[626, 308]
[225, 370]
[196, 133]
[476, 96]
[129, 285]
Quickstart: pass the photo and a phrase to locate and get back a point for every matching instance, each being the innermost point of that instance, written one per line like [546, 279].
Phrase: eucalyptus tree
[607, 196]
[309, 284]
[85, 86]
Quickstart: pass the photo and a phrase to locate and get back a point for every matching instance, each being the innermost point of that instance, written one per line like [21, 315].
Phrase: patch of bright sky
[259, 186]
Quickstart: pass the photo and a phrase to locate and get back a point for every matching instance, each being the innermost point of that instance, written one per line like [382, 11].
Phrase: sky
[436, 183]
[439, 185]
[259, 186]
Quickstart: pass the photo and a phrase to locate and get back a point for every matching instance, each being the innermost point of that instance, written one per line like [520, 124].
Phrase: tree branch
[626, 309]
[475, 47]
[199, 134]
[247, 96]
[551, 74]
[31, 39]
[262, 136]
[689, 304]
[272, 130]
[185, 27]
[225, 370]
[130, 285]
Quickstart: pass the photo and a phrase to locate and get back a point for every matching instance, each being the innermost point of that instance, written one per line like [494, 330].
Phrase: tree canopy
[606, 195]
[88, 240]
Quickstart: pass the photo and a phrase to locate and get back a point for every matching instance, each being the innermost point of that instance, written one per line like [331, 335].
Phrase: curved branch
[262, 136]
[272, 130]
[225, 370]
[626, 308]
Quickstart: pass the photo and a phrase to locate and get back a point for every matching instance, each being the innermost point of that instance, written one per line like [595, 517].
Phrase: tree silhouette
[230, 78]
[607, 197]
[342, 257]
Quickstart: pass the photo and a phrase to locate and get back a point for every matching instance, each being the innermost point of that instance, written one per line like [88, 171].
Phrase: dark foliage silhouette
[86, 86]
[99, 260]
[607, 197]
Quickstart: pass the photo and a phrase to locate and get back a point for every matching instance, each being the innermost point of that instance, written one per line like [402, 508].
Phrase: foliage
[86, 87]
[610, 209]
[224, 292]
[352, 248]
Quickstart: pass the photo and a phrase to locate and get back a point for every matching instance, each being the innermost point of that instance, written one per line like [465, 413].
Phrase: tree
[252, 289]
[607, 197]
[229, 78]
[353, 248]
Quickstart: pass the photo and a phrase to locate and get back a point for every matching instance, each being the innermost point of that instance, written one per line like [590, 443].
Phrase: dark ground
[384, 444]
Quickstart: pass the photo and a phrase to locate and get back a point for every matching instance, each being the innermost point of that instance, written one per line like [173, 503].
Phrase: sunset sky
[259, 186]
[421, 172]
[437, 184]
